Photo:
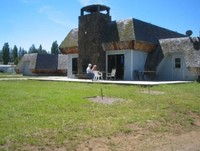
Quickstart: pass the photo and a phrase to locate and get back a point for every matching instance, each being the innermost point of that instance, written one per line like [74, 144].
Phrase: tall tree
[54, 48]
[11, 55]
[21, 52]
[32, 49]
[5, 54]
[41, 51]
[15, 54]
[1, 55]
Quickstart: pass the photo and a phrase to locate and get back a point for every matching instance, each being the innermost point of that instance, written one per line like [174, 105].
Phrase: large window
[116, 61]
[177, 62]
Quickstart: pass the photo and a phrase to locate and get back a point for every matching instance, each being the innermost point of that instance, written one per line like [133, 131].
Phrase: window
[74, 65]
[177, 62]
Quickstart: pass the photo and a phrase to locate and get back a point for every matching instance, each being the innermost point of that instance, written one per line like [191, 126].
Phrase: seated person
[94, 68]
[97, 74]
[89, 71]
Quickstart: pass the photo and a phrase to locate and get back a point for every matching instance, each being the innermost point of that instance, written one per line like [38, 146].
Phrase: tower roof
[94, 8]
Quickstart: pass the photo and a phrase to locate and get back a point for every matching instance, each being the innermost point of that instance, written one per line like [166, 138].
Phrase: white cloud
[54, 15]
[88, 2]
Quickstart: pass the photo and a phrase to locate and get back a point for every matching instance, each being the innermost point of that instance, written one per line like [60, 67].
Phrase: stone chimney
[93, 25]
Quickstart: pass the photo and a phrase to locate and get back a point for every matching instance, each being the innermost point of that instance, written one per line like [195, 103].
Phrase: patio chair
[97, 75]
[139, 75]
[112, 74]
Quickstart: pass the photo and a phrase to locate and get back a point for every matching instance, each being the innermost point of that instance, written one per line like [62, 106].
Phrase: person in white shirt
[89, 71]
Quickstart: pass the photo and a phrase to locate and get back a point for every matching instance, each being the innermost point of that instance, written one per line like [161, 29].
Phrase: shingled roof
[151, 33]
[70, 43]
[134, 29]
[43, 64]
[125, 32]
[188, 46]
[46, 62]
[71, 40]
[31, 58]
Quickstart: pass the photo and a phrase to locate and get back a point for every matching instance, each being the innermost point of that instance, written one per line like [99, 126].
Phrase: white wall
[138, 60]
[69, 65]
[134, 60]
[166, 71]
[128, 65]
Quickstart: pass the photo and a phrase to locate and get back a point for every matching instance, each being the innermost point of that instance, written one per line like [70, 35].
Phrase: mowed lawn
[45, 114]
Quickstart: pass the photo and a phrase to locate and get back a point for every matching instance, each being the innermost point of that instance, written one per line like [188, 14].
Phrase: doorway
[74, 65]
[177, 67]
[116, 61]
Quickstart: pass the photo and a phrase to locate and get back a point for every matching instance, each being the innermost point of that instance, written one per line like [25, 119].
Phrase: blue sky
[27, 22]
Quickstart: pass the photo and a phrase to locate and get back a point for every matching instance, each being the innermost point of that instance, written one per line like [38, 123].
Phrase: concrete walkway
[60, 78]
[65, 79]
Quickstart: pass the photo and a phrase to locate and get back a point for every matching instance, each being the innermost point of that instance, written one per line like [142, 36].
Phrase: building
[10, 68]
[131, 46]
[42, 64]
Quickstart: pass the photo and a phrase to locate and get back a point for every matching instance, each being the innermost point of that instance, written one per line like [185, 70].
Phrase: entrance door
[117, 62]
[177, 67]
[74, 65]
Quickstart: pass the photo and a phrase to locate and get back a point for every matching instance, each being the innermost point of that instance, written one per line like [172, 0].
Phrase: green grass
[9, 75]
[45, 114]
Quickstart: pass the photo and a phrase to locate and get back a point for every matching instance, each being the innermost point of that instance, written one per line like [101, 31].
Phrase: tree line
[15, 54]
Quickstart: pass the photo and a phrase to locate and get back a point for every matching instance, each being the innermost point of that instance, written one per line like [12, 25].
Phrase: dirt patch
[143, 142]
[143, 139]
[185, 142]
[104, 100]
[197, 122]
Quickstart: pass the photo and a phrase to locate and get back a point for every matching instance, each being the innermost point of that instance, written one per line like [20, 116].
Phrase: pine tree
[41, 51]
[15, 54]
[5, 54]
[21, 52]
[32, 49]
[54, 48]
[1, 55]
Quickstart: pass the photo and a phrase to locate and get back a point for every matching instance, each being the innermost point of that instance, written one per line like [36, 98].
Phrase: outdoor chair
[112, 74]
[139, 75]
[97, 75]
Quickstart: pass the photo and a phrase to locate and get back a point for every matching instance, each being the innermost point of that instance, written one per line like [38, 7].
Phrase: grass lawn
[9, 75]
[45, 114]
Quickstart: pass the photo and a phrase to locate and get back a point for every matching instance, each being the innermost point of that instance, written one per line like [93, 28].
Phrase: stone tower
[93, 25]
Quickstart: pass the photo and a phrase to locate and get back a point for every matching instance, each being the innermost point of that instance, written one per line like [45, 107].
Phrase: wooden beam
[69, 50]
[144, 46]
[133, 45]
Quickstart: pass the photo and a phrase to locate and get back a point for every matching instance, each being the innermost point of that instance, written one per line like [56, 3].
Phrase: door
[116, 61]
[74, 65]
[177, 62]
